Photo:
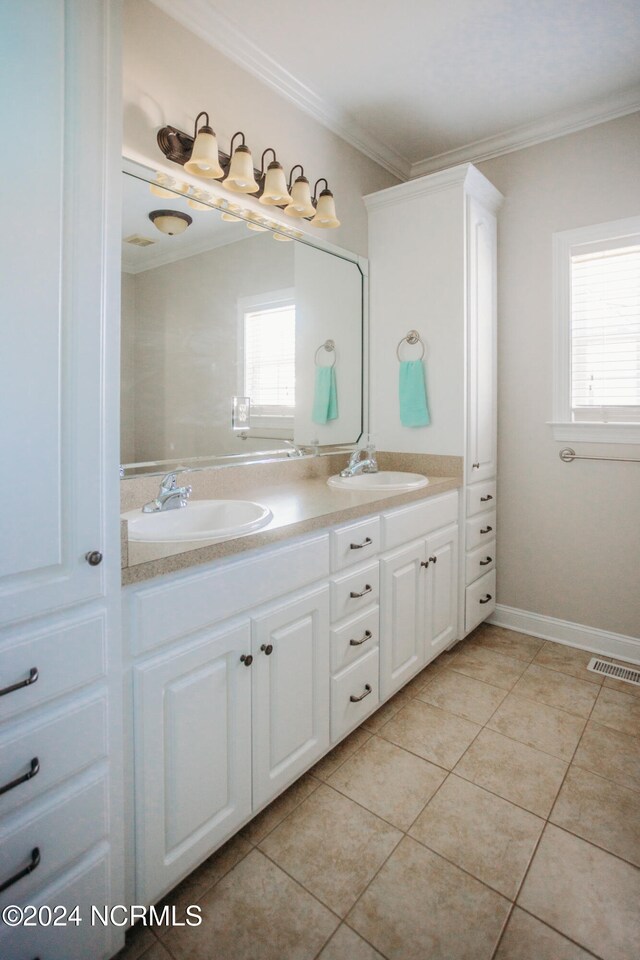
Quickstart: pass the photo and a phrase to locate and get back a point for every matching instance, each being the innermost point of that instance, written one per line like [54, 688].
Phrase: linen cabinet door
[290, 690]
[441, 605]
[193, 756]
[402, 642]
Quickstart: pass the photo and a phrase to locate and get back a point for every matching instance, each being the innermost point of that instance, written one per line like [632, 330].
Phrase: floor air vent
[614, 671]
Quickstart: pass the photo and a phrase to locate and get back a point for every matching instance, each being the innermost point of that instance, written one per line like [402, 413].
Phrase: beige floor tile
[431, 733]
[329, 764]
[464, 696]
[569, 660]
[620, 685]
[557, 690]
[587, 894]
[332, 847]
[483, 664]
[157, 952]
[538, 725]
[420, 907]
[528, 939]
[392, 783]
[613, 755]
[258, 828]
[619, 711]
[432, 670]
[256, 912]
[387, 711]
[514, 771]
[600, 811]
[138, 941]
[509, 642]
[345, 944]
[485, 835]
[204, 877]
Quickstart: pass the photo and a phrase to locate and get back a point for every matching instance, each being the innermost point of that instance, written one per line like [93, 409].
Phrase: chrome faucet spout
[358, 465]
[170, 496]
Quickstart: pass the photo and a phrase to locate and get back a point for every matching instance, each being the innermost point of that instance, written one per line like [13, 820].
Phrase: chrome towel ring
[330, 347]
[412, 338]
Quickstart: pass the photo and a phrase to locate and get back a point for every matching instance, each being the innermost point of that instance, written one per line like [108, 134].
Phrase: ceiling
[420, 84]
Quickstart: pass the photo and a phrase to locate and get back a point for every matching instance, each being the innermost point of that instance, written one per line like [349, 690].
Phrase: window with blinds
[605, 331]
[269, 359]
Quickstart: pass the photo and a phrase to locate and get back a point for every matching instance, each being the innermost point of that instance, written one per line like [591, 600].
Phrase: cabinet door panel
[442, 590]
[402, 641]
[290, 691]
[193, 756]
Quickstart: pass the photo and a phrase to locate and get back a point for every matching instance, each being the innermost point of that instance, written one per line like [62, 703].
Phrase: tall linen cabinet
[432, 255]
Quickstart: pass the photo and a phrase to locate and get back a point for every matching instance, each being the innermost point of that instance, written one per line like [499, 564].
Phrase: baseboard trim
[564, 631]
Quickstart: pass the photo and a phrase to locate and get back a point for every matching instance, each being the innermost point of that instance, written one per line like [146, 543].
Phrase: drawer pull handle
[476, 466]
[358, 546]
[489, 496]
[356, 643]
[35, 860]
[33, 676]
[33, 770]
[367, 589]
[367, 691]
[267, 648]
[486, 599]
[483, 563]
[487, 530]
[247, 659]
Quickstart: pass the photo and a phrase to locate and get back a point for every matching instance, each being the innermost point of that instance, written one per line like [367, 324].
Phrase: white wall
[569, 534]
[170, 76]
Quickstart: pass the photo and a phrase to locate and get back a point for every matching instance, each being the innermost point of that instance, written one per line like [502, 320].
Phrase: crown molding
[465, 174]
[529, 134]
[201, 18]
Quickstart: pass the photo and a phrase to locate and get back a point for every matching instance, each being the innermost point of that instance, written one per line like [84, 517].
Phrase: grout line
[545, 923]
[257, 843]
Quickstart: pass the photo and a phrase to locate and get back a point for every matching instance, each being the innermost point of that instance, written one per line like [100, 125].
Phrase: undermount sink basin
[200, 520]
[395, 481]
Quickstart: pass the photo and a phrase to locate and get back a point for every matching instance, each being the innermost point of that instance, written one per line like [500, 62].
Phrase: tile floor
[489, 811]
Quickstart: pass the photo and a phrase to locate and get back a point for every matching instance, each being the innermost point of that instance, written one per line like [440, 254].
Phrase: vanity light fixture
[301, 204]
[252, 225]
[240, 178]
[204, 160]
[274, 192]
[171, 222]
[282, 237]
[325, 207]
[166, 187]
[196, 200]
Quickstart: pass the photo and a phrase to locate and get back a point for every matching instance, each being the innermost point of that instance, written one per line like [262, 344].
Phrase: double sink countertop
[296, 492]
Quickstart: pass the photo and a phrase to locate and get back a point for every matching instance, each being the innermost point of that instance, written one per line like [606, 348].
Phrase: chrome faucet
[294, 450]
[170, 496]
[357, 465]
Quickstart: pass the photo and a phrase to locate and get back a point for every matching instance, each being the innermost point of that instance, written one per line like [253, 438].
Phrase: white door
[402, 640]
[192, 756]
[441, 605]
[290, 676]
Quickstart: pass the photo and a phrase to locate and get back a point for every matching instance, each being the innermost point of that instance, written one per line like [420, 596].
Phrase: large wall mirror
[236, 342]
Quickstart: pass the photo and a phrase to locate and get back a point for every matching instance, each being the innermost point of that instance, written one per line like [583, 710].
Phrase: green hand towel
[325, 398]
[413, 395]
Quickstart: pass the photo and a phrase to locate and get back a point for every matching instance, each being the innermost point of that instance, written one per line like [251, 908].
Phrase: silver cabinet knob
[93, 558]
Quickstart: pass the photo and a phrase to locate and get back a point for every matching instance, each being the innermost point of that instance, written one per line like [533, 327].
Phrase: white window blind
[269, 359]
[605, 332]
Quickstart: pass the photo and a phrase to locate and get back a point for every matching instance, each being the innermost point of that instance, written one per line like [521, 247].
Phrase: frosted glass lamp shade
[229, 218]
[300, 205]
[204, 160]
[325, 211]
[240, 178]
[166, 187]
[275, 186]
[256, 226]
[171, 222]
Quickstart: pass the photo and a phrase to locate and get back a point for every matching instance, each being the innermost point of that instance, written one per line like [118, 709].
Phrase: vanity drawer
[354, 639]
[355, 543]
[481, 496]
[44, 746]
[480, 600]
[407, 523]
[360, 681]
[480, 561]
[354, 591]
[480, 530]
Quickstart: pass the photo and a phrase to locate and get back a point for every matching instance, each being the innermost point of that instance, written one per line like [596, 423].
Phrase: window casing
[267, 357]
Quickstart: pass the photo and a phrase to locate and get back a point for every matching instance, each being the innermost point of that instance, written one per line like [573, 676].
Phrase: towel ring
[412, 337]
[330, 347]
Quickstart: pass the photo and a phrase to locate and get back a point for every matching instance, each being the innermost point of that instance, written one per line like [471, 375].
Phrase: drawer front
[407, 523]
[360, 681]
[480, 561]
[355, 543]
[37, 756]
[354, 639]
[480, 600]
[56, 832]
[480, 530]
[481, 496]
[354, 591]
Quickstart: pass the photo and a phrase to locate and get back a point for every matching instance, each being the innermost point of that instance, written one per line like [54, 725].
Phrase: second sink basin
[395, 481]
[199, 520]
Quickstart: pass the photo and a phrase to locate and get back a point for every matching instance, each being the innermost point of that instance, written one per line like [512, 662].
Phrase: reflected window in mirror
[268, 339]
